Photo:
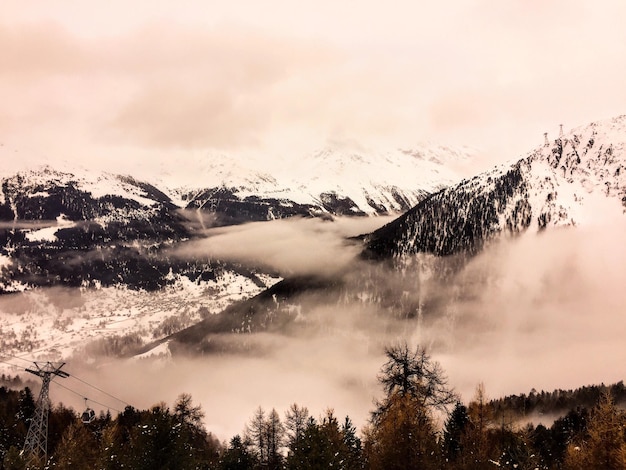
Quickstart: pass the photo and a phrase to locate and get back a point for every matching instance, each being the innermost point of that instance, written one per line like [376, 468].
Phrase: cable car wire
[13, 365]
[72, 376]
[84, 397]
[99, 389]
[20, 358]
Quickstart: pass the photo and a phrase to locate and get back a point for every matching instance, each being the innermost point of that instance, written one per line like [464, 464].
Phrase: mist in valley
[540, 311]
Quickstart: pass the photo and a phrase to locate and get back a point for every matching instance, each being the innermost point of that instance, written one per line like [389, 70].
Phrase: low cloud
[540, 312]
[318, 372]
[28, 224]
[290, 246]
[535, 311]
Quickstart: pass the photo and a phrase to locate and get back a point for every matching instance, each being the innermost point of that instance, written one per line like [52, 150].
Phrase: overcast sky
[121, 82]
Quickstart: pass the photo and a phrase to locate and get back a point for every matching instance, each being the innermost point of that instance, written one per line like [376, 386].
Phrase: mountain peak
[574, 179]
[338, 178]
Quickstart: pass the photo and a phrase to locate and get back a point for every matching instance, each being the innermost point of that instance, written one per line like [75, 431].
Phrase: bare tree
[402, 432]
[296, 419]
[266, 435]
[414, 373]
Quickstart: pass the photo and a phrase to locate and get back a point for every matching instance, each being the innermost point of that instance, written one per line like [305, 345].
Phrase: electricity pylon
[36, 443]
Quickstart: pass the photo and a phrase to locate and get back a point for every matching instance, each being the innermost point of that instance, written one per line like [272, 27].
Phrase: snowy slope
[84, 263]
[56, 324]
[97, 183]
[574, 179]
[335, 180]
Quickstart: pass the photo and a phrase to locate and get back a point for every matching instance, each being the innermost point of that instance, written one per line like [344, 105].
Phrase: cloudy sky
[120, 83]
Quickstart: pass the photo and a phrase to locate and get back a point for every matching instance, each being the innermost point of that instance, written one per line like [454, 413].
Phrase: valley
[116, 277]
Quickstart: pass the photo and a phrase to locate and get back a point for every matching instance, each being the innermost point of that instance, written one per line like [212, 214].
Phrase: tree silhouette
[414, 373]
[402, 430]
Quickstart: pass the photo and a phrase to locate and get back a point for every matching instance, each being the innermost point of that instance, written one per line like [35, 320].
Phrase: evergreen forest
[419, 423]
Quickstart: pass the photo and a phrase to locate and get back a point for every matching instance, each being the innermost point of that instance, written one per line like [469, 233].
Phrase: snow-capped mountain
[80, 229]
[85, 257]
[573, 180]
[562, 183]
[87, 229]
[109, 239]
[75, 227]
[335, 181]
[111, 232]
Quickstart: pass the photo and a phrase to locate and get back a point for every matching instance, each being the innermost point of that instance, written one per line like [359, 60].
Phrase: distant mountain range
[88, 230]
[110, 238]
[80, 227]
[331, 181]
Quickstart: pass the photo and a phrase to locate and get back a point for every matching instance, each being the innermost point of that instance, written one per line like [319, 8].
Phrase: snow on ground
[97, 183]
[5, 261]
[53, 324]
[363, 175]
[107, 183]
[48, 234]
[160, 351]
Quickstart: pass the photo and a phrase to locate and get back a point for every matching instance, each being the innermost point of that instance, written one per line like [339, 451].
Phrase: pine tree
[187, 414]
[255, 435]
[78, 448]
[296, 419]
[454, 431]
[326, 445]
[266, 436]
[402, 436]
[478, 450]
[237, 457]
[353, 452]
[605, 444]
[414, 373]
[13, 460]
[275, 436]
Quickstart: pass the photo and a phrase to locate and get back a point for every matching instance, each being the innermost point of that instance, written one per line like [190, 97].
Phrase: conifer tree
[255, 435]
[13, 460]
[604, 445]
[454, 431]
[78, 448]
[353, 451]
[402, 436]
[296, 419]
[478, 450]
[237, 456]
[275, 435]
[266, 437]
[326, 445]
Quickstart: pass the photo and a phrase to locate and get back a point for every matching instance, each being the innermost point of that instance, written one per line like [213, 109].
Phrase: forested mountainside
[555, 185]
[426, 271]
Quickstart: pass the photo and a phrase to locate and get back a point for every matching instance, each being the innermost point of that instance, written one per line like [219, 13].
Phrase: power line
[99, 389]
[73, 391]
[84, 397]
[13, 365]
[17, 357]
[74, 377]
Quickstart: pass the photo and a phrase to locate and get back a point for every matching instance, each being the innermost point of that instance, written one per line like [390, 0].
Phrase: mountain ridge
[329, 181]
[554, 185]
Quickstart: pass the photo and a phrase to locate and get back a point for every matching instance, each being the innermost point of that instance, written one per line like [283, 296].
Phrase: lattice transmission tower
[36, 443]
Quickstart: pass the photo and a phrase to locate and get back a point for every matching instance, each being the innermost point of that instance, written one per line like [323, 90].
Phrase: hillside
[557, 185]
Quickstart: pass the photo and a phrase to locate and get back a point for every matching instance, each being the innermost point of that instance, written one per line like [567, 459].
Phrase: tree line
[419, 423]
